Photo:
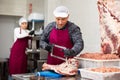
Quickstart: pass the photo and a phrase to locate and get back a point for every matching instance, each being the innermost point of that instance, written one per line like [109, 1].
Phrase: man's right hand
[49, 47]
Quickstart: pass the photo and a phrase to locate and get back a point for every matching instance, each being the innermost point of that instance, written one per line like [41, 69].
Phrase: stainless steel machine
[36, 56]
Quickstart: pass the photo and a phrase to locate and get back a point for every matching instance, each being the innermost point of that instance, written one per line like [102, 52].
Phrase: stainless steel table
[27, 77]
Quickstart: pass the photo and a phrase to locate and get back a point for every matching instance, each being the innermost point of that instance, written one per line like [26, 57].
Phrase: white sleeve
[20, 33]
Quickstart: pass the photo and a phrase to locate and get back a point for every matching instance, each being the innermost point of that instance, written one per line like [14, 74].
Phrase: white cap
[21, 20]
[61, 11]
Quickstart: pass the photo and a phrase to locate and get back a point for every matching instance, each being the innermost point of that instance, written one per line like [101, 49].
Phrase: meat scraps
[67, 68]
[105, 69]
[99, 56]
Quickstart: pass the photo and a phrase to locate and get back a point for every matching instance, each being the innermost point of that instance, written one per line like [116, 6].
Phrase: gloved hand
[68, 52]
[31, 32]
[49, 47]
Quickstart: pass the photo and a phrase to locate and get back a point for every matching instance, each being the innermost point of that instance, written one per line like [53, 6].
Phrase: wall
[50, 5]
[82, 12]
[37, 6]
[85, 14]
[13, 7]
[7, 25]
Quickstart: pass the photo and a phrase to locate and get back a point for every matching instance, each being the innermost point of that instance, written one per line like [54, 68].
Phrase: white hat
[61, 11]
[21, 20]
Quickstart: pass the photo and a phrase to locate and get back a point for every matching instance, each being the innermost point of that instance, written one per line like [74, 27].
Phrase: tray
[89, 63]
[85, 73]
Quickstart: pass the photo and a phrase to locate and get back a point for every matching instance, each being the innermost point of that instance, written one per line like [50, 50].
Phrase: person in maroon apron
[18, 57]
[63, 33]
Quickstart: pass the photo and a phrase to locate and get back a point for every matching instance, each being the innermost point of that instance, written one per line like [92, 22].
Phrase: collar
[62, 28]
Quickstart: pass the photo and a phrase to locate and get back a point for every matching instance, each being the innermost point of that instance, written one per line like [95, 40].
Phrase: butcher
[63, 33]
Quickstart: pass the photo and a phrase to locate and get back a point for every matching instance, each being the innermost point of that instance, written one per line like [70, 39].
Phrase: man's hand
[31, 32]
[68, 52]
[49, 47]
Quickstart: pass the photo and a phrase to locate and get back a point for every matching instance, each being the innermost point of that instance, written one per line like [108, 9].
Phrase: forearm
[19, 33]
[22, 35]
[78, 43]
[78, 47]
[43, 44]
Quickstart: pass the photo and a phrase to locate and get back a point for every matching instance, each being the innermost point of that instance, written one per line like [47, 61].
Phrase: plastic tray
[89, 63]
[85, 73]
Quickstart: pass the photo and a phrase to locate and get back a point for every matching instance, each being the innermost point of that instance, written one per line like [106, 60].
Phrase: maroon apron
[18, 58]
[62, 38]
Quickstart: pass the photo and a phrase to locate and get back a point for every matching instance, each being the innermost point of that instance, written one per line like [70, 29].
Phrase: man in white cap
[18, 58]
[63, 33]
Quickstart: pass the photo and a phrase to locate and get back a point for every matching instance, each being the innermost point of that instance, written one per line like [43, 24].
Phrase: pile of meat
[99, 56]
[109, 18]
[105, 69]
[68, 68]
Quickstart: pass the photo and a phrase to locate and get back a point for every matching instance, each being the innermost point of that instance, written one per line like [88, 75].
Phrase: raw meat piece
[67, 68]
[109, 19]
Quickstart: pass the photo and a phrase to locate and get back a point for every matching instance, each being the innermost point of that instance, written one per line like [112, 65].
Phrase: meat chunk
[67, 68]
[109, 18]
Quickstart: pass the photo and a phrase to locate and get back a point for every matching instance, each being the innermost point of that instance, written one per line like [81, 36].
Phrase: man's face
[60, 21]
[24, 25]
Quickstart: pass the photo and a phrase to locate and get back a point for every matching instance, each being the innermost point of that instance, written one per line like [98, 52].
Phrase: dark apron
[18, 58]
[62, 38]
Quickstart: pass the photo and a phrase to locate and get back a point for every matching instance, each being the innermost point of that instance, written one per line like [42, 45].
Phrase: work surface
[27, 77]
